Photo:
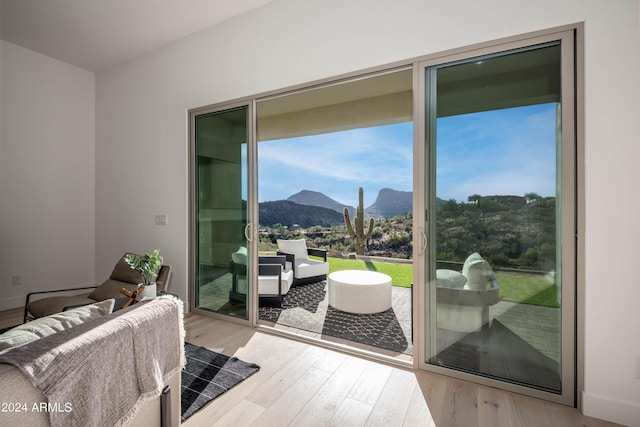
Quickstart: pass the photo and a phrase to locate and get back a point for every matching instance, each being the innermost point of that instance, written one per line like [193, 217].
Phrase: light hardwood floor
[305, 385]
[11, 317]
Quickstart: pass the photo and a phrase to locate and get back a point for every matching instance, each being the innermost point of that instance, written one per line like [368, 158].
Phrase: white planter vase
[149, 291]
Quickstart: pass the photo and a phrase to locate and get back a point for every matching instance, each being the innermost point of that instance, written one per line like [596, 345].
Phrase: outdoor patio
[306, 310]
[521, 345]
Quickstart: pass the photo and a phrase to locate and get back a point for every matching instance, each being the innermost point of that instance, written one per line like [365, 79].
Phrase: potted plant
[148, 266]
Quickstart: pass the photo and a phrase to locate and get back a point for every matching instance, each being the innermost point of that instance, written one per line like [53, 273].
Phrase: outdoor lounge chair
[239, 281]
[463, 298]
[305, 269]
[273, 280]
[122, 276]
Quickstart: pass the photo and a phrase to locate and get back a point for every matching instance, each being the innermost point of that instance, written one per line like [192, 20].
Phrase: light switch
[162, 219]
[16, 280]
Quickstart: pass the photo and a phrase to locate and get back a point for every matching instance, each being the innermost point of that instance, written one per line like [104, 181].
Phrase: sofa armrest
[19, 390]
[156, 412]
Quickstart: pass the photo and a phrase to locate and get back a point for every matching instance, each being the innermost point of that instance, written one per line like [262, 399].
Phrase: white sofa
[305, 269]
[87, 367]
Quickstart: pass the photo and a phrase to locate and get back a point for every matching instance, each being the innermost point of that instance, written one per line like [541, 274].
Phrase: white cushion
[240, 256]
[287, 281]
[296, 247]
[241, 284]
[311, 268]
[477, 271]
[49, 325]
[268, 285]
[450, 279]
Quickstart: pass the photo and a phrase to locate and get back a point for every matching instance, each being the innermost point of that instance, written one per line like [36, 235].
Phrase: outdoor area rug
[207, 375]
[307, 307]
[381, 330]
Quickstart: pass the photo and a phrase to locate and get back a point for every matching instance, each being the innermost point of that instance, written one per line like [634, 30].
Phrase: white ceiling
[99, 34]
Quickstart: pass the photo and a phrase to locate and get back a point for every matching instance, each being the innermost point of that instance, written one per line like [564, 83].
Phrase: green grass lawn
[535, 290]
[402, 274]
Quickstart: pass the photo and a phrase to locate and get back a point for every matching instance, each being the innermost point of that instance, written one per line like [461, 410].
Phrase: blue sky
[508, 152]
[338, 163]
[504, 152]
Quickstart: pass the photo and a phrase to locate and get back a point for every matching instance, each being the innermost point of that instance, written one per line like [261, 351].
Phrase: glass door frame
[252, 207]
[424, 203]
[572, 38]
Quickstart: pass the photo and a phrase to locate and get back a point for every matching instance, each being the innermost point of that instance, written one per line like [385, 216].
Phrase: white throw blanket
[101, 372]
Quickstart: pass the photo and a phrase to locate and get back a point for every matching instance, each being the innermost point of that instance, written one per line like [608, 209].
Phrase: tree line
[508, 231]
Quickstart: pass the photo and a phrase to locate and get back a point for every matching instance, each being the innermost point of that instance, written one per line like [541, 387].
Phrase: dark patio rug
[381, 330]
[306, 307]
[207, 375]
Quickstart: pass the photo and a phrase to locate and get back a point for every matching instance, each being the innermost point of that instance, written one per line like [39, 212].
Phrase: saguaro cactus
[359, 233]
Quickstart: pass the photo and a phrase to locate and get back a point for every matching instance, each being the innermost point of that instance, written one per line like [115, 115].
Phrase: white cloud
[337, 164]
[508, 151]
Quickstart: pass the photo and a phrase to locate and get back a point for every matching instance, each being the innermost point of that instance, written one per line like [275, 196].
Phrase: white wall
[142, 149]
[47, 145]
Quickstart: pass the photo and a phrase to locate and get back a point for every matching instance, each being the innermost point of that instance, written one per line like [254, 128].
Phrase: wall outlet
[16, 280]
[162, 219]
[638, 367]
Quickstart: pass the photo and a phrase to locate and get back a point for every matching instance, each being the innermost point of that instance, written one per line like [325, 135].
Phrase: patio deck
[522, 345]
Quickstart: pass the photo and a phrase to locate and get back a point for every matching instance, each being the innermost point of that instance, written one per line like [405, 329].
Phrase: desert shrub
[399, 239]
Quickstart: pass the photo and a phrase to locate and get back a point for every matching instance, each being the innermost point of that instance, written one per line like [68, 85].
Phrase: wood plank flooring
[11, 317]
[305, 385]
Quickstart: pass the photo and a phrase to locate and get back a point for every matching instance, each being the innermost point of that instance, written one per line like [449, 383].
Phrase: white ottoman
[360, 291]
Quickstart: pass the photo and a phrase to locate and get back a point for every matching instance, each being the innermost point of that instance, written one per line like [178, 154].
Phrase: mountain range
[389, 203]
[308, 208]
[315, 198]
[286, 212]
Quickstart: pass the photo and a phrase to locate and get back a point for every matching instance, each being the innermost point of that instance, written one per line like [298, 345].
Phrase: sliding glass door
[476, 229]
[220, 193]
[342, 146]
[500, 227]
